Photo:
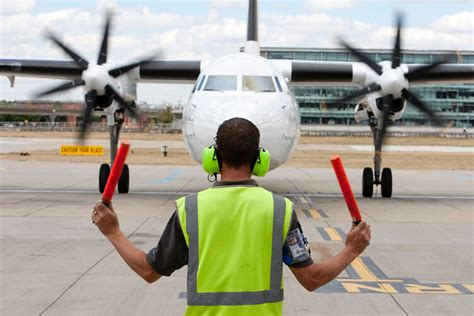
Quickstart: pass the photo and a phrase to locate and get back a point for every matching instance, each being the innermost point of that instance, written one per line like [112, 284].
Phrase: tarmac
[54, 261]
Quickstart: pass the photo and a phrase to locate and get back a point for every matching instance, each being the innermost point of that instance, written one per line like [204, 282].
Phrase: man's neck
[241, 173]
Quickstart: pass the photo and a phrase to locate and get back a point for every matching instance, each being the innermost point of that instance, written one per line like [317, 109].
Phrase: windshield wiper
[265, 91]
[213, 90]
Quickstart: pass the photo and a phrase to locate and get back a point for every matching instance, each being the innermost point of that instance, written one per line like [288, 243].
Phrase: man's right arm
[320, 273]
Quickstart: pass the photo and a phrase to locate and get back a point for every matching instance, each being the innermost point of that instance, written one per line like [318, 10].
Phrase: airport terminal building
[455, 103]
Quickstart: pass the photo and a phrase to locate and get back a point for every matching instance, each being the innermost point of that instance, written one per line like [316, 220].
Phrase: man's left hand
[106, 219]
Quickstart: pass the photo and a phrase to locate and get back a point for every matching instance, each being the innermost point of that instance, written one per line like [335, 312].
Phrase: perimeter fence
[306, 130]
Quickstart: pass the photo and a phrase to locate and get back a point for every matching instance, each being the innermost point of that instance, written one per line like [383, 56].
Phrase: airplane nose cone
[256, 110]
[270, 113]
[239, 111]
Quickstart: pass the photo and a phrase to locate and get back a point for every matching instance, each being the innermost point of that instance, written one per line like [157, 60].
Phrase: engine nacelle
[361, 113]
[375, 105]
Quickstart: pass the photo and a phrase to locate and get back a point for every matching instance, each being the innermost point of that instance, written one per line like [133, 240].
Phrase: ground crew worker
[234, 237]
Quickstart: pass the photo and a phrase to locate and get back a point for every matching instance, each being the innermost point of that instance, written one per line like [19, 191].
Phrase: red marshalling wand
[115, 172]
[346, 189]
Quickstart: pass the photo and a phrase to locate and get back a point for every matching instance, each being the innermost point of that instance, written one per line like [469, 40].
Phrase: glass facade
[454, 103]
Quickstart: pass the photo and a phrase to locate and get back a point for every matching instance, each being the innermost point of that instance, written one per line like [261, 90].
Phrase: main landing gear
[104, 171]
[374, 177]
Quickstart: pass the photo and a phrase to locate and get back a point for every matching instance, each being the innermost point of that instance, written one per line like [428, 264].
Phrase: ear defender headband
[212, 164]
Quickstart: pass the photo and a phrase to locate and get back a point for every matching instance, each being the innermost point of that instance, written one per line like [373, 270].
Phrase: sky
[195, 30]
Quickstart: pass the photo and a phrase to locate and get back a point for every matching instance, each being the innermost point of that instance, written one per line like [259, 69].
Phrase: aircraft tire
[124, 180]
[386, 183]
[367, 182]
[104, 173]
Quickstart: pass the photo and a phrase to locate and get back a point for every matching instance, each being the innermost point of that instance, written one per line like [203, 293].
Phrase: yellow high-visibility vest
[235, 236]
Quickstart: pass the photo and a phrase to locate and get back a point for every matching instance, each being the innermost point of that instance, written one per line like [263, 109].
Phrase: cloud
[308, 30]
[321, 30]
[140, 30]
[459, 22]
[16, 6]
[109, 5]
[331, 4]
[228, 3]
[209, 39]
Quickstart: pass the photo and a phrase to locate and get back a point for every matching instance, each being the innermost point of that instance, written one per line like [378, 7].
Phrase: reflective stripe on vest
[275, 294]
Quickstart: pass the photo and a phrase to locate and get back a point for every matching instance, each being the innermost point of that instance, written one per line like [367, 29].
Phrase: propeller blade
[102, 59]
[366, 90]
[124, 69]
[397, 54]
[416, 73]
[366, 60]
[90, 99]
[117, 97]
[410, 97]
[62, 87]
[387, 105]
[83, 63]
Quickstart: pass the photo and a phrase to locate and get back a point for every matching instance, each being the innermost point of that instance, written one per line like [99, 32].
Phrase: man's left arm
[107, 221]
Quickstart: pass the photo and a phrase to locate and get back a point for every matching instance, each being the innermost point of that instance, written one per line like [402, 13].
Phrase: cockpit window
[278, 84]
[221, 83]
[258, 84]
[201, 82]
[196, 85]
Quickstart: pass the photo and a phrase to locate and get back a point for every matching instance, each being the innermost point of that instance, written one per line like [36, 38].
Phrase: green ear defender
[262, 164]
[212, 165]
[210, 162]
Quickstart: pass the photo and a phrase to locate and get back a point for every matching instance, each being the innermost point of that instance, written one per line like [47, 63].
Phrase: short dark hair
[237, 142]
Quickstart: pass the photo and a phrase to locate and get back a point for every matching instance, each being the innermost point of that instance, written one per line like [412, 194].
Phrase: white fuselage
[254, 89]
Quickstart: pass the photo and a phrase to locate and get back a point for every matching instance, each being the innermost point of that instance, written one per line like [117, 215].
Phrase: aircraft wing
[171, 71]
[161, 71]
[318, 72]
[57, 69]
[321, 72]
[450, 73]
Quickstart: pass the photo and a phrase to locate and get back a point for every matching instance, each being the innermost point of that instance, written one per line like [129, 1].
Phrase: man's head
[237, 142]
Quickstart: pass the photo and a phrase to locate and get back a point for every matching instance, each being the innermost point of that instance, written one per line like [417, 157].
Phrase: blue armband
[296, 248]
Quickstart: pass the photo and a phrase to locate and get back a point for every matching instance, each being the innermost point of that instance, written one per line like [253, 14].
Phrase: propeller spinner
[392, 83]
[98, 79]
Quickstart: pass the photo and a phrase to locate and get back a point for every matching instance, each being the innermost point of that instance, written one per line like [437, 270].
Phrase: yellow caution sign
[74, 150]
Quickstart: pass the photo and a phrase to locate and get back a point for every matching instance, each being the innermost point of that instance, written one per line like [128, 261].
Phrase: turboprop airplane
[245, 85]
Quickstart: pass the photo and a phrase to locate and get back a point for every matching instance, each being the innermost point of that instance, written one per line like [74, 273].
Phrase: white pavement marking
[8, 141]
[400, 197]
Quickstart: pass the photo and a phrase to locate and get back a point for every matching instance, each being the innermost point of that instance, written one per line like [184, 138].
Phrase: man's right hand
[358, 238]
[106, 219]
[322, 272]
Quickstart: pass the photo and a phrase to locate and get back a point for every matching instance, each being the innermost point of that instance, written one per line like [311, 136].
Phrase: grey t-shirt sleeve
[171, 253]
[296, 225]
